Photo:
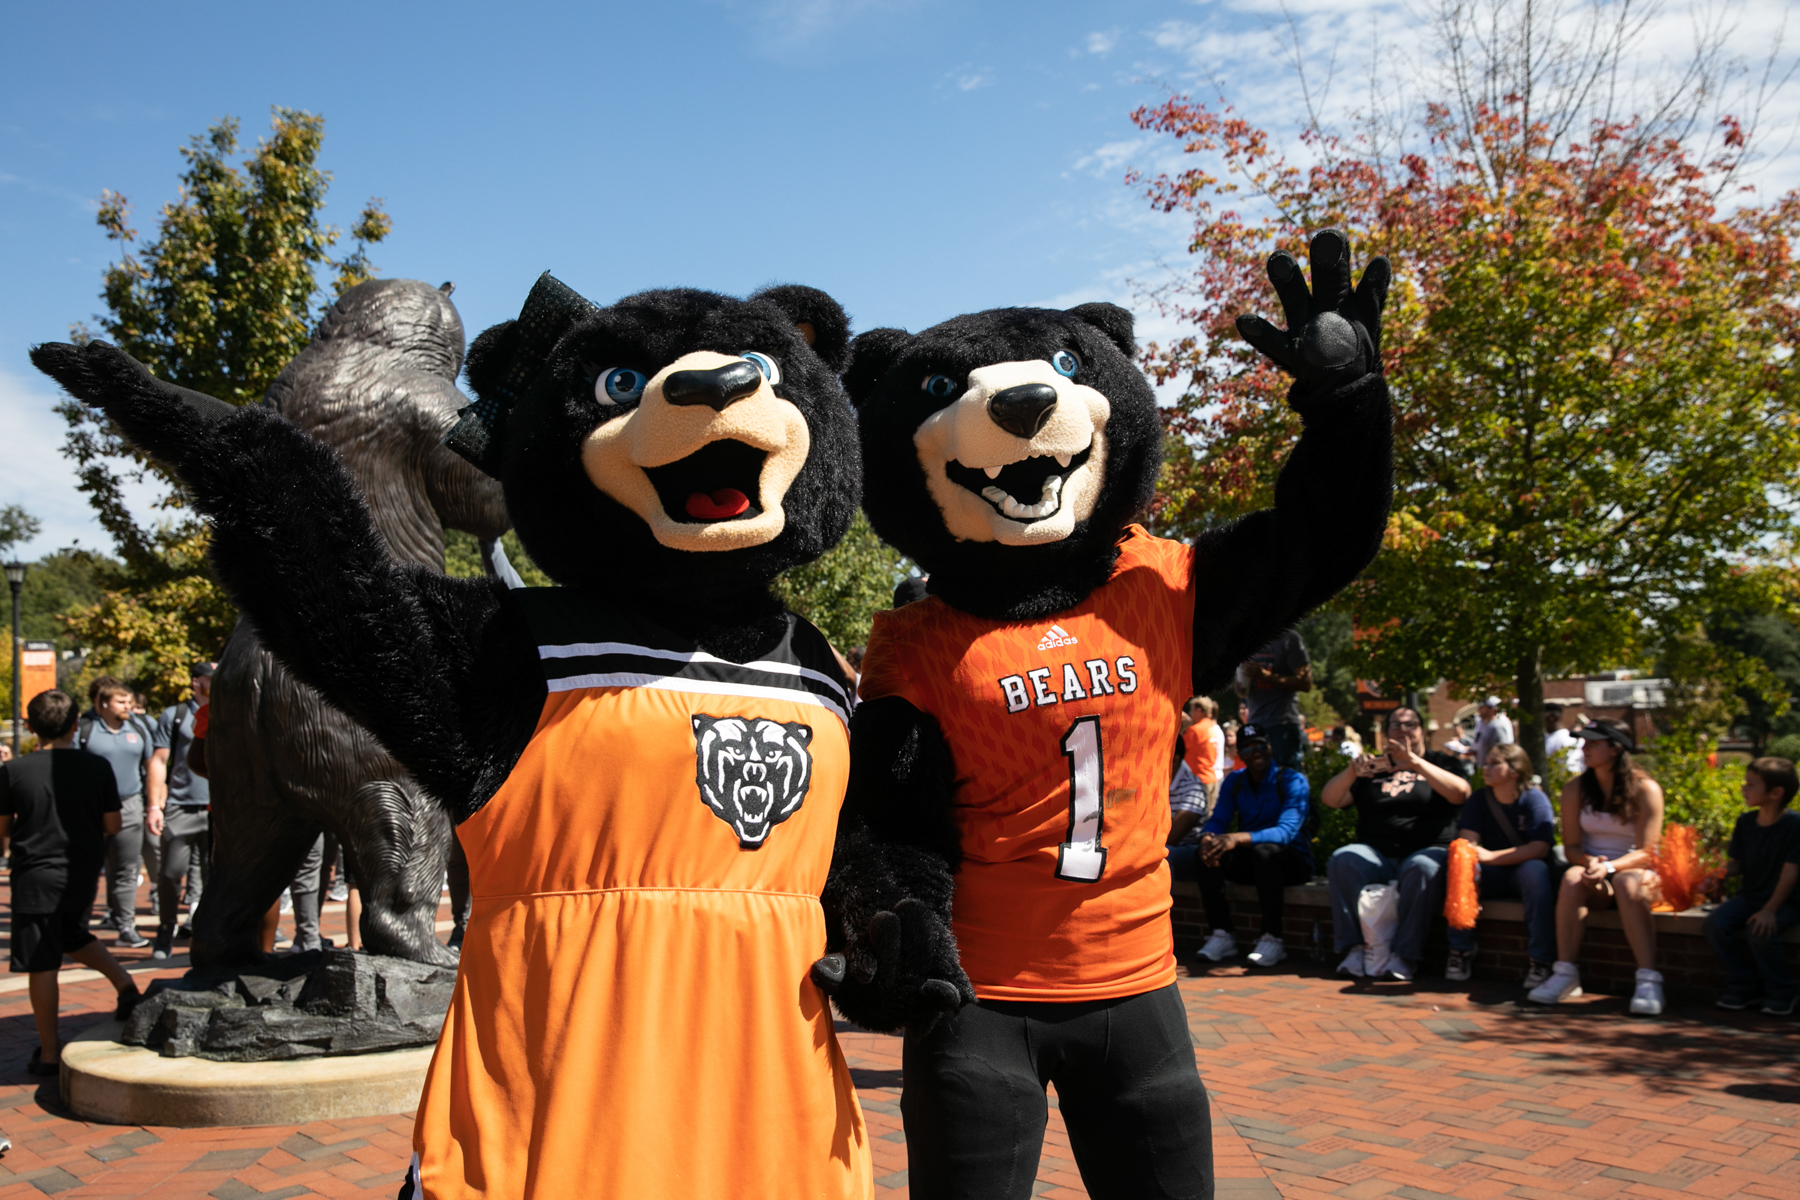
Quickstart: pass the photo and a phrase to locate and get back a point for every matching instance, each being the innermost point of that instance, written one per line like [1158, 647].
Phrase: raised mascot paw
[1333, 333]
[156, 416]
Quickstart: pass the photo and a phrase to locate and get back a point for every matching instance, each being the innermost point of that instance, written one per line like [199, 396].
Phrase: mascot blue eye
[765, 364]
[620, 385]
[939, 387]
[1065, 363]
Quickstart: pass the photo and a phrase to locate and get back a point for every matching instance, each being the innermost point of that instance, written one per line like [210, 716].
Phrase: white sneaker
[1220, 946]
[1647, 1000]
[287, 901]
[1564, 984]
[1268, 952]
[1398, 969]
[1353, 963]
[340, 891]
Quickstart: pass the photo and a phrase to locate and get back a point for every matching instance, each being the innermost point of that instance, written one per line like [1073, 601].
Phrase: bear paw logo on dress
[753, 773]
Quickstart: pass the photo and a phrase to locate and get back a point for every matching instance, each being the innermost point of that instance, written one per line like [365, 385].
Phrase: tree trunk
[1530, 683]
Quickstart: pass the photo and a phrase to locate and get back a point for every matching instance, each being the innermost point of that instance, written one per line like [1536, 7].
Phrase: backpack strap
[1507, 828]
[85, 730]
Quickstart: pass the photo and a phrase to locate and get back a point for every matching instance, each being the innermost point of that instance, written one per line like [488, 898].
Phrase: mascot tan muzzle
[707, 455]
[1019, 457]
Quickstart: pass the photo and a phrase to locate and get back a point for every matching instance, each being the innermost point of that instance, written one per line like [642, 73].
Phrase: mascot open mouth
[721, 481]
[1028, 490]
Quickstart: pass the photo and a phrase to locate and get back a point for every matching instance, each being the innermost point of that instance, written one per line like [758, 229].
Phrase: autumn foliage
[1590, 350]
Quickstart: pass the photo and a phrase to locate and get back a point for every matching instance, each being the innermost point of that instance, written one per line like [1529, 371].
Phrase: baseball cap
[1252, 733]
[1608, 731]
[1492, 702]
[200, 670]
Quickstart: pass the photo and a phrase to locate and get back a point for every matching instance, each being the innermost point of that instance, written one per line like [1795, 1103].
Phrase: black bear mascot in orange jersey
[646, 764]
[1014, 738]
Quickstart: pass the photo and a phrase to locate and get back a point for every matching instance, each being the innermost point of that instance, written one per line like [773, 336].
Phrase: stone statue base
[318, 1004]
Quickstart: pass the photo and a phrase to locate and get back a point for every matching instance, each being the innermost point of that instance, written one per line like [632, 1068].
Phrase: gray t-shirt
[126, 750]
[175, 733]
[1285, 655]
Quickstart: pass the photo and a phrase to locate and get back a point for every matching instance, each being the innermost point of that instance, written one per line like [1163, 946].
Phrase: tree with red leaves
[1589, 345]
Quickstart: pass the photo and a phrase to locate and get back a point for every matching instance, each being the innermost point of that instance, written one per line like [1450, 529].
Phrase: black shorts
[39, 940]
[974, 1105]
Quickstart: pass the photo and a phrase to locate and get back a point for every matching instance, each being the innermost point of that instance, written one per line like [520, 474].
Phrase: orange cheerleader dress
[633, 1014]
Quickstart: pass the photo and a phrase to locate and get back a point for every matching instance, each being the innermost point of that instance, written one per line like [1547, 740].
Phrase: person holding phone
[1407, 801]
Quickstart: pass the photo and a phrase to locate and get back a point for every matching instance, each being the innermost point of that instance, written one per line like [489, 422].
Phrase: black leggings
[1271, 866]
[1136, 1112]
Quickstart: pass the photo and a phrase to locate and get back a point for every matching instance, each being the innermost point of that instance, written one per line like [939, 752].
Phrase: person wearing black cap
[1269, 848]
[179, 818]
[1612, 817]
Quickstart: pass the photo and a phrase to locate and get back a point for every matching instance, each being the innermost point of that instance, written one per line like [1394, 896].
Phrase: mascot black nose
[1022, 410]
[715, 388]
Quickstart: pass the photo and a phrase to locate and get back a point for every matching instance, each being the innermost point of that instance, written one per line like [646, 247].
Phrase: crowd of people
[115, 794]
[1242, 812]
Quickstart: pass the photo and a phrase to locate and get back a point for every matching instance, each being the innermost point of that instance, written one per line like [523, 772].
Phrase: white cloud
[968, 80]
[40, 479]
[1102, 43]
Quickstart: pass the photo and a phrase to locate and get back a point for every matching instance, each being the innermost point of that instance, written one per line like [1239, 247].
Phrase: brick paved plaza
[1319, 1089]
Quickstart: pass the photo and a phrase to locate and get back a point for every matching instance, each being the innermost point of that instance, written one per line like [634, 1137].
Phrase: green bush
[1786, 746]
[1707, 798]
[1334, 826]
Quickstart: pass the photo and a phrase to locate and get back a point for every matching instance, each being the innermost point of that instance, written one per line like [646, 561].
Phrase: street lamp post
[15, 579]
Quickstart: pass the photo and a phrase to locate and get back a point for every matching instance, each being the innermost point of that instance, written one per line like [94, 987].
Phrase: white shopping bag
[1378, 909]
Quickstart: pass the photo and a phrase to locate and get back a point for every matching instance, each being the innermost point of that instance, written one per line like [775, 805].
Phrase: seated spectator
[1187, 809]
[1269, 848]
[58, 806]
[1612, 817]
[1512, 827]
[1407, 800]
[1765, 850]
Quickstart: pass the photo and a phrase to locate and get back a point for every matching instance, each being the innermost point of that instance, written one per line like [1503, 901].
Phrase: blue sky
[915, 158]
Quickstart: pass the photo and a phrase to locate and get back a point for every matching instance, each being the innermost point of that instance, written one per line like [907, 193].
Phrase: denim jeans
[1528, 881]
[1421, 878]
[1747, 957]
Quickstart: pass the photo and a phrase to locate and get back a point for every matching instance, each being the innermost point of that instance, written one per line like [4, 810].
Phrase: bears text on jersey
[1043, 686]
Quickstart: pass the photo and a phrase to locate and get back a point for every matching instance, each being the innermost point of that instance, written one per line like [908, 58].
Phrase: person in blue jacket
[1269, 849]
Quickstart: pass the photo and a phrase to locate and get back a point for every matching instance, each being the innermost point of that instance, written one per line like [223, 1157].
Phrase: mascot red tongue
[726, 502]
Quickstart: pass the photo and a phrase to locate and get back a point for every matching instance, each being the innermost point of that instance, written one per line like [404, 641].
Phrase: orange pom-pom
[1462, 903]
[1679, 867]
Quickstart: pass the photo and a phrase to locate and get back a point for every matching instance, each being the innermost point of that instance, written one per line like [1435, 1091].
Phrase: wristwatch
[1611, 870]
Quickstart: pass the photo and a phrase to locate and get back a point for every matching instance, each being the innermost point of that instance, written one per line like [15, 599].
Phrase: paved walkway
[1319, 1089]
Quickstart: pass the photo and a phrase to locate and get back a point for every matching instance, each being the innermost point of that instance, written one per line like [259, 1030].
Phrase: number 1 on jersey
[1082, 858]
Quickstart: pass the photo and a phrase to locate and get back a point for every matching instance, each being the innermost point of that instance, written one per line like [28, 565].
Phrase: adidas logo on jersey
[1057, 636]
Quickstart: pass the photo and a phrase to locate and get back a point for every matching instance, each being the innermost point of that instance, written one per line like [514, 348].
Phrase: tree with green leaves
[224, 296]
[842, 591]
[1590, 347]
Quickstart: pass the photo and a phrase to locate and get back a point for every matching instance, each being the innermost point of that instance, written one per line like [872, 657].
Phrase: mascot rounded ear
[490, 355]
[1110, 319]
[506, 360]
[871, 354]
[820, 319]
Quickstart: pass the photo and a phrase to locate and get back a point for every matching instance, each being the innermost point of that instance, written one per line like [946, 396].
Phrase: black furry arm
[1260, 574]
[431, 665]
[892, 958]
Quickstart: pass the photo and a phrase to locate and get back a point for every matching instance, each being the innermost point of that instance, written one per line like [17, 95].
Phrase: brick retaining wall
[1690, 969]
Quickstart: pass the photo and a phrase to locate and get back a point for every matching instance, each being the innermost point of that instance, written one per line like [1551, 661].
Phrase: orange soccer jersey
[633, 1015]
[1060, 730]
